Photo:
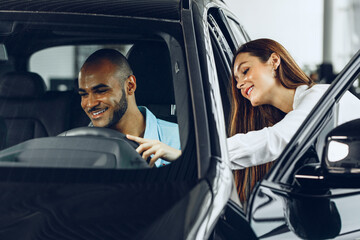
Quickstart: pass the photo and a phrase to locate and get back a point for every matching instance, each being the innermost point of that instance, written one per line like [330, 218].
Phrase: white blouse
[265, 145]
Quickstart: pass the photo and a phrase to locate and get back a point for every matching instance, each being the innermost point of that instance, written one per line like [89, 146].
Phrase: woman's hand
[147, 147]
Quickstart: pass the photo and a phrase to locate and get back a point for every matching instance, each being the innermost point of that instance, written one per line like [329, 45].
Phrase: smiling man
[107, 89]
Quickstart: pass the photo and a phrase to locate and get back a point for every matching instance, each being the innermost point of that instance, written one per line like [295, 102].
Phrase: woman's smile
[249, 90]
[250, 72]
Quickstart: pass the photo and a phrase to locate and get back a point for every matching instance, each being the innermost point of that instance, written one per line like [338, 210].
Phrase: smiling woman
[271, 98]
[250, 71]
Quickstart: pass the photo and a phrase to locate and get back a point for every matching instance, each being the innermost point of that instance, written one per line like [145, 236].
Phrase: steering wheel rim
[102, 132]
[99, 132]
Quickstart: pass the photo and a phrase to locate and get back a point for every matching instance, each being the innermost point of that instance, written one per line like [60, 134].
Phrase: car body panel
[165, 10]
[281, 215]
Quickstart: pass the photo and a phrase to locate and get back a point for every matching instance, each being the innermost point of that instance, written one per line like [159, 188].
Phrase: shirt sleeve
[265, 145]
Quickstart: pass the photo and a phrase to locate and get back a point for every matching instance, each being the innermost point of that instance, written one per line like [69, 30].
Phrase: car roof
[159, 9]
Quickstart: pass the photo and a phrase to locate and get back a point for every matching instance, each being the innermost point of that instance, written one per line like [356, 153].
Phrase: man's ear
[275, 60]
[131, 85]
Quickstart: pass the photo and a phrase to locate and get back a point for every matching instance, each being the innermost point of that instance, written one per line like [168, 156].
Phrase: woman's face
[256, 79]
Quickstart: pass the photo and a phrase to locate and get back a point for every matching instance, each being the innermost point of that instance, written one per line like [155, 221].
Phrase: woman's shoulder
[320, 86]
[304, 92]
[317, 88]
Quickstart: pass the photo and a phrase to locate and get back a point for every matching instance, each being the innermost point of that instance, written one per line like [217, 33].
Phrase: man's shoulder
[167, 128]
[164, 123]
[169, 133]
[151, 118]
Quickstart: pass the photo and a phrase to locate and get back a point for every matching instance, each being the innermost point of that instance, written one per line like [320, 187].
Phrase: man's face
[102, 96]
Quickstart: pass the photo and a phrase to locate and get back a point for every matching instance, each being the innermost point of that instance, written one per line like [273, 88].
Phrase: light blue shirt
[164, 131]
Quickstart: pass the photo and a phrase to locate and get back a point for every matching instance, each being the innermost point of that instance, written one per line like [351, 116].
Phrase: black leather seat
[29, 111]
[150, 62]
[18, 106]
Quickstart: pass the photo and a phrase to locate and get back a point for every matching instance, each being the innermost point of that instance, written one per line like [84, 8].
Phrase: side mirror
[341, 158]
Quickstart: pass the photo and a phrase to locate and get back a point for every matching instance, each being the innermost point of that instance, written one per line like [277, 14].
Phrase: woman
[271, 98]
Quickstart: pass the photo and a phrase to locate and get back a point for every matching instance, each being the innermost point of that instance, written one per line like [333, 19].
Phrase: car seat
[150, 62]
[18, 94]
[27, 111]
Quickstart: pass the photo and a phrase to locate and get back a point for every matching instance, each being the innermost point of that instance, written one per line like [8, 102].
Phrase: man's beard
[119, 112]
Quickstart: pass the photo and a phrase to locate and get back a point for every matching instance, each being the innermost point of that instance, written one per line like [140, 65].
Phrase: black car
[60, 179]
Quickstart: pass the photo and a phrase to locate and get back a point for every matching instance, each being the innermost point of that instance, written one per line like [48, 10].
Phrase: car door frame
[322, 115]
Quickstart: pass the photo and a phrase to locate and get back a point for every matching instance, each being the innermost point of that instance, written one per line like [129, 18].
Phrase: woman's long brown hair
[245, 118]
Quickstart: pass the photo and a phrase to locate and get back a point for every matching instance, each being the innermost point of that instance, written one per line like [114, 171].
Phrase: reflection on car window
[355, 89]
[235, 27]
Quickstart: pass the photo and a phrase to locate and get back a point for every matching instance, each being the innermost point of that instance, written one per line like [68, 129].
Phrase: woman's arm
[265, 145]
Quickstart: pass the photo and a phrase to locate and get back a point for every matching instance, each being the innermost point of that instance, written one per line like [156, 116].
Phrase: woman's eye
[246, 70]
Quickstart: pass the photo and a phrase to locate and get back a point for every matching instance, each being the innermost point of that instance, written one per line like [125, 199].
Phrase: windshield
[55, 147]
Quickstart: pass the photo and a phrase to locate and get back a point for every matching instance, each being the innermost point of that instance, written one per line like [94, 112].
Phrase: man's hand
[148, 147]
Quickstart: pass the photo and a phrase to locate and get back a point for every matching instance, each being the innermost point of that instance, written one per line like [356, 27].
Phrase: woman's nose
[239, 85]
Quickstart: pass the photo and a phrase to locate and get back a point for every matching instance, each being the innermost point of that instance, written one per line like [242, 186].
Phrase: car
[60, 179]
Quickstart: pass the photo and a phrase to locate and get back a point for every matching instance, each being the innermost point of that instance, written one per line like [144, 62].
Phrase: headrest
[150, 62]
[21, 85]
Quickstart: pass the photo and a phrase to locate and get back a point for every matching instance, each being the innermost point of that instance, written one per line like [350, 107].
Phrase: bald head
[106, 87]
[114, 57]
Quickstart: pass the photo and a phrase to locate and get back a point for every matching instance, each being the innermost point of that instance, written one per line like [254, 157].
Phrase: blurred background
[321, 35]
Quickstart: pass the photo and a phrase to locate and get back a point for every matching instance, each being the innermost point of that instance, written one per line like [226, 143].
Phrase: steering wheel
[100, 132]
[106, 133]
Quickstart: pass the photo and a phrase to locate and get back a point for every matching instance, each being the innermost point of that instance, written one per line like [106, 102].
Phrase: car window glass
[220, 38]
[59, 66]
[38, 101]
[222, 57]
[236, 30]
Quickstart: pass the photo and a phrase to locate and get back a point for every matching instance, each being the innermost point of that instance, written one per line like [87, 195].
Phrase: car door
[298, 198]
[222, 42]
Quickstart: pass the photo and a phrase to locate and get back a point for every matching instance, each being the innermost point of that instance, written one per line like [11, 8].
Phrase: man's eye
[101, 90]
[82, 94]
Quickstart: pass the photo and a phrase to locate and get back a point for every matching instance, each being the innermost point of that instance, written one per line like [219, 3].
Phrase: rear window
[60, 66]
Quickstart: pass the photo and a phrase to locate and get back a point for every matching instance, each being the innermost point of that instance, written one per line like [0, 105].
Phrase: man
[107, 89]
